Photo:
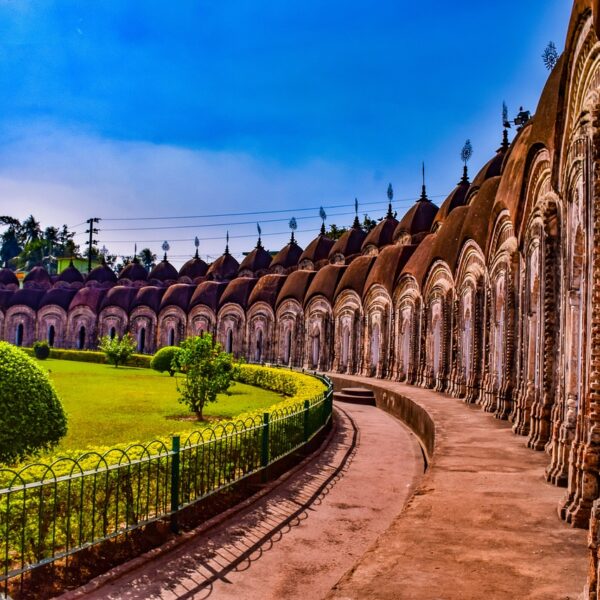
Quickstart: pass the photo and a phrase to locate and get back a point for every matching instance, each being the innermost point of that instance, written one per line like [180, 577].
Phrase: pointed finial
[259, 243]
[390, 195]
[197, 244]
[323, 216]
[227, 242]
[356, 221]
[465, 154]
[506, 127]
[423, 188]
[165, 248]
[293, 227]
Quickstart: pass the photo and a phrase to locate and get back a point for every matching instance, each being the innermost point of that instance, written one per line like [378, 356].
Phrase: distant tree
[117, 351]
[207, 372]
[10, 243]
[147, 258]
[335, 233]
[31, 229]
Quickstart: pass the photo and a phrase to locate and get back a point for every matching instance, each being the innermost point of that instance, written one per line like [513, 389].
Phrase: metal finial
[390, 195]
[227, 242]
[166, 248]
[550, 56]
[323, 216]
[293, 226]
[259, 243]
[356, 221]
[465, 154]
[197, 244]
[423, 188]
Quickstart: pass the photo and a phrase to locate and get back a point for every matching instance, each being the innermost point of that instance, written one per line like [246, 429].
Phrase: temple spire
[293, 226]
[197, 244]
[390, 195]
[465, 155]
[423, 187]
[165, 248]
[323, 216]
[356, 221]
[259, 243]
[227, 242]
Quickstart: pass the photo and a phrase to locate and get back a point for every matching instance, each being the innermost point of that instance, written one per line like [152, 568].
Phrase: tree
[31, 415]
[335, 233]
[166, 360]
[148, 259]
[117, 351]
[207, 372]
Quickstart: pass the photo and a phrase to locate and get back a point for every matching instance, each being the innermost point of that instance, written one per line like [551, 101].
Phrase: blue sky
[121, 109]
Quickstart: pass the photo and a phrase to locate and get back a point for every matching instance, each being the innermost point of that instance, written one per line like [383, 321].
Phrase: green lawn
[107, 406]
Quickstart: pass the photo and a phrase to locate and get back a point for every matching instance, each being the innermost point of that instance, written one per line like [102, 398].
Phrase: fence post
[175, 444]
[264, 455]
[306, 410]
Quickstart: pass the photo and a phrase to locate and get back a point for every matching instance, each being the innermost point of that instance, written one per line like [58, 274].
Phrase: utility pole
[92, 230]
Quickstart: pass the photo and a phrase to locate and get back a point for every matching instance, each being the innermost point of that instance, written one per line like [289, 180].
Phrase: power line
[261, 212]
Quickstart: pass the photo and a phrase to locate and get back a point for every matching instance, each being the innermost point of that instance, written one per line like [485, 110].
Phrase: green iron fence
[48, 513]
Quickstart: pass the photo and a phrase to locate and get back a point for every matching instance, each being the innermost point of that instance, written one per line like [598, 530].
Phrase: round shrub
[31, 415]
[41, 350]
[163, 360]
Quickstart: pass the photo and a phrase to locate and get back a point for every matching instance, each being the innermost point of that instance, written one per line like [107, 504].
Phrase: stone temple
[493, 297]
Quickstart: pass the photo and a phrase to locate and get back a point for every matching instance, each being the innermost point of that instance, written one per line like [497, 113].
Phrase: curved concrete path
[298, 540]
[482, 524]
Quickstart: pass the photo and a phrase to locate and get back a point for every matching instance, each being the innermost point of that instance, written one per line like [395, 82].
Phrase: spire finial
[465, 155]
[505, 125]
[390, 195]
[293, 226]
[227, 242]
[356, 221]
[323, 216]
[423, 188]
[259, 243]
[197, 244]
[165, 248]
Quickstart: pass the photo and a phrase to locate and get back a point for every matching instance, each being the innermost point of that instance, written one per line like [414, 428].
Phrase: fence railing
[50, 512]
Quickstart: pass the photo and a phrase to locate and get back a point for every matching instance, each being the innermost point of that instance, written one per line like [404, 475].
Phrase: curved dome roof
[30, 297]
[38, 277]
[325, 282]
[150, 296]
[209, 294]
[90, 297]
[288, 257]
[318, 250]
[120, 296]
[178, 295]
[267, 289]
[101, 274]
[194, 268]
[58, 297]
[71, 274]
[418, 220]
[238, 291]
[383, 233]
[295, 286]
[134, 271]
[224, 268]
[457, 197]
[256, 261]
[5, 297]
[355, 276]
[388, 266]
[8, 277]
[350, 243]
[164, 271]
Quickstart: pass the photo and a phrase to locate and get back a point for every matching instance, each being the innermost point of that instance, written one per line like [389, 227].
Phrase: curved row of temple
[494, 297]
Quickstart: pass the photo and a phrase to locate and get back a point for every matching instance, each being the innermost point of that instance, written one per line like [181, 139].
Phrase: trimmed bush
[117, 351]
[141, 361]
[41, 350]
[31, 415]
[163, 360]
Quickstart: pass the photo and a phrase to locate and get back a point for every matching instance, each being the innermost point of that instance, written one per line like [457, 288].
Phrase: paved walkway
[482, 525]
[296, 542]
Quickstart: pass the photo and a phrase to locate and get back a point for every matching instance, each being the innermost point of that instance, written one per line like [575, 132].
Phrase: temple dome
[417, 222]
[287, 258]
[349, 244]
[37, 278]
[163, 272]
[382, 234]
[194, 268]
[71, 275]
[102, 274]
[134, 271]
[316, 253]
[256, 262]
[8, 278]
[224, 268]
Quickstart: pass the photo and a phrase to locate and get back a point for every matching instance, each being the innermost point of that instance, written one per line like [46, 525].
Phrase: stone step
[358, 392]
[366, 398]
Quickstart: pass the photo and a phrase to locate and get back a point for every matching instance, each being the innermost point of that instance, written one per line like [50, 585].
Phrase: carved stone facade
[494, 299]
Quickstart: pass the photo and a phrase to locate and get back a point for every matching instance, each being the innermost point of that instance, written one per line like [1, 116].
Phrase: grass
[107, 406]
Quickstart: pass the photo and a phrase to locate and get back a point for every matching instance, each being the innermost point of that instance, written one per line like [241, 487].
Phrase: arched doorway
[259, 346]
[345, 347]
[113, 333]
[51, 335]
[375, 343]
[229, 341]
[142, 340]
[81, 338]
[316, 348]
[171, 341]
[19, 335]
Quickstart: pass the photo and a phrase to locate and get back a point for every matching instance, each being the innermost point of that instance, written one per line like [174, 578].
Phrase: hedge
[91, 356]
